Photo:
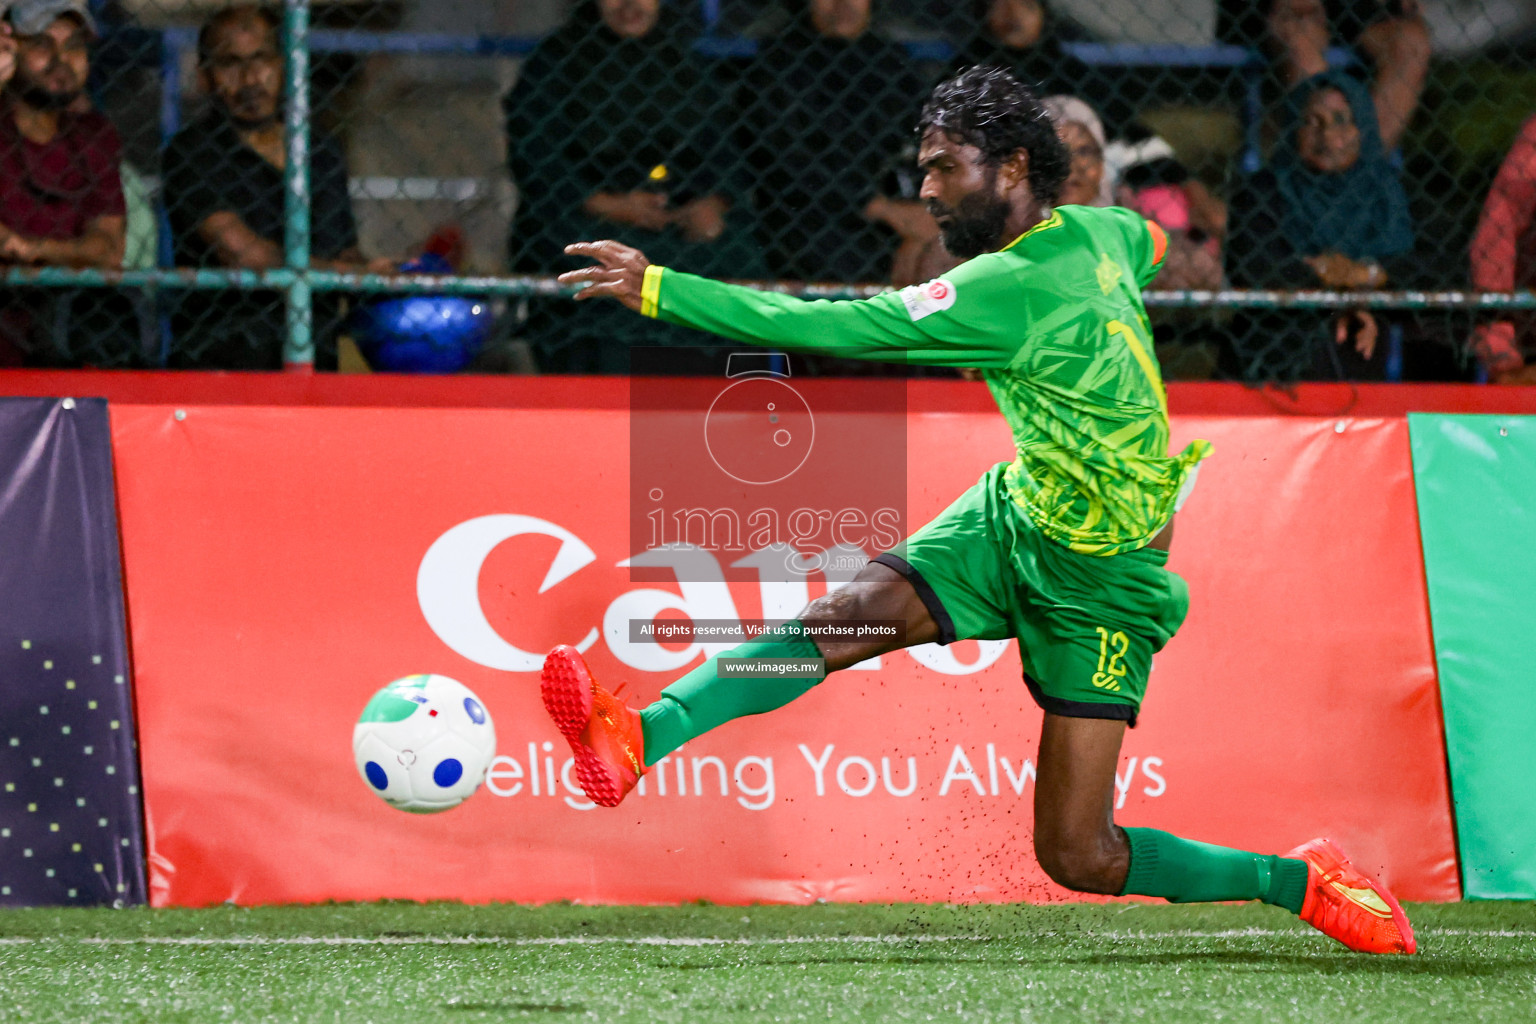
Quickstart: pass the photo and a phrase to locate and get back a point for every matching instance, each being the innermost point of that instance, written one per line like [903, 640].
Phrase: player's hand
[619, 274]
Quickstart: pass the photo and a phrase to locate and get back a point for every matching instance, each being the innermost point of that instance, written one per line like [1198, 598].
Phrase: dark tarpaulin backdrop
[70, 822]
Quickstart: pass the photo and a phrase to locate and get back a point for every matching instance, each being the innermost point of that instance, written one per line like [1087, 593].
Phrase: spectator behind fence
[826, 112]
[1390, 34]
[224, 195]
[1504, 258]
[616, 130]
[61, 200]
[1328, 212]
[1080, 130]
[1156, 185]
[1022, 36]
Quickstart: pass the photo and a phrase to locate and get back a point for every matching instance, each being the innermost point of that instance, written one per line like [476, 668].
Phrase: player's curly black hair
[988, 108]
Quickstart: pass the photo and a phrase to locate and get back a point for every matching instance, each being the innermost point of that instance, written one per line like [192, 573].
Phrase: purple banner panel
[71, 826]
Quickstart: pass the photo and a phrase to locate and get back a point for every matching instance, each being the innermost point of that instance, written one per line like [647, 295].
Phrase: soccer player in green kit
[1064, 547]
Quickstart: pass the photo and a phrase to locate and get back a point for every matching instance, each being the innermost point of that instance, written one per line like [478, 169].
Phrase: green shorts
[1087, 625]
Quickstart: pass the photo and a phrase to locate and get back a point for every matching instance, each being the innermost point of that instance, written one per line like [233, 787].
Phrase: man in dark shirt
[61, 200]
[224, 196]
[593, 156]
[823, 116]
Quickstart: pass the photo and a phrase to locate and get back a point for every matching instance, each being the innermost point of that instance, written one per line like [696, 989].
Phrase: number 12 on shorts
[1112, 649]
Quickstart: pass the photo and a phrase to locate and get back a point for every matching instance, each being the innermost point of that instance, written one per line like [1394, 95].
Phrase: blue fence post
[1394, 367]
[299, 349]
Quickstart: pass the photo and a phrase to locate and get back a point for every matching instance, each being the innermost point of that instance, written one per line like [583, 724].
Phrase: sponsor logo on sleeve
[923, 299]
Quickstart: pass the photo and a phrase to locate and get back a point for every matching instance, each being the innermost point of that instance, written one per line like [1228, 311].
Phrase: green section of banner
[1476, 483]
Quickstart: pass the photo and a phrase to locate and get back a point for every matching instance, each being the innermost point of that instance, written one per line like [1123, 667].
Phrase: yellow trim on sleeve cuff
[650, 291]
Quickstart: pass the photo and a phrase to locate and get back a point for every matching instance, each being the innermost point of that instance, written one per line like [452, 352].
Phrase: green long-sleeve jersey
[1056, 325]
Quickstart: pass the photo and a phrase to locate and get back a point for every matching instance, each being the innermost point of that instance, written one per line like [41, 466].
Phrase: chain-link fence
[1348, 185]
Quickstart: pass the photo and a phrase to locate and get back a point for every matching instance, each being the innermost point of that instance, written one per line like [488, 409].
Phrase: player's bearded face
[974, 224]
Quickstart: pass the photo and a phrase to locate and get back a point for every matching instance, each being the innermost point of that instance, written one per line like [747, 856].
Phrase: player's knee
[877, 592]
[1080, 863]
[846, 604]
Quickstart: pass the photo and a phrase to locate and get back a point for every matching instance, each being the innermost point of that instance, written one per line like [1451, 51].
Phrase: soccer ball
[424, 743]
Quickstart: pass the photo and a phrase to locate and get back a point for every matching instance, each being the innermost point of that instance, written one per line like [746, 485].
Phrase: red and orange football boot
[1345, 903]
[603, 731]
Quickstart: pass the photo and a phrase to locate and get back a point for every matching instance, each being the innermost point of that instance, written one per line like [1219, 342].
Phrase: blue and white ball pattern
[423, 743]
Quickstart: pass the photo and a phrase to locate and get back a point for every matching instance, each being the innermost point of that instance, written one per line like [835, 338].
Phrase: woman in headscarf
[1080, 130]
[1329, 212]
[615, 130]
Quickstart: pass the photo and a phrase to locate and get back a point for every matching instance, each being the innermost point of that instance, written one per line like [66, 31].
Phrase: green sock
[1184, 871]
[702, 700]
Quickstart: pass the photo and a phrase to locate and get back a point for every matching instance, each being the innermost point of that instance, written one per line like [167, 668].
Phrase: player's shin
[706, 698]
[1185, 871]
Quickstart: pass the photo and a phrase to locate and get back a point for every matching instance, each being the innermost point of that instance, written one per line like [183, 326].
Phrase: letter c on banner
[448, 586]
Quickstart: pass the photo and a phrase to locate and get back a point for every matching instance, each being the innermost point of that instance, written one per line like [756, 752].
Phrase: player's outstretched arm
[962, 330]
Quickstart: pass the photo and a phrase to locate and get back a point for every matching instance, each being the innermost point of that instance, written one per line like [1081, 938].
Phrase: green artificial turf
[412, 963]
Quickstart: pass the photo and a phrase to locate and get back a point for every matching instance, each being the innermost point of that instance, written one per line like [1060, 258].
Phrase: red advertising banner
[282, 564]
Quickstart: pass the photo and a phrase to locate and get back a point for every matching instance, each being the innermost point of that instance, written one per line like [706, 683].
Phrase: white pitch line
[494, 940]
[1490, 933]
[1237, 933]
[685, 941]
